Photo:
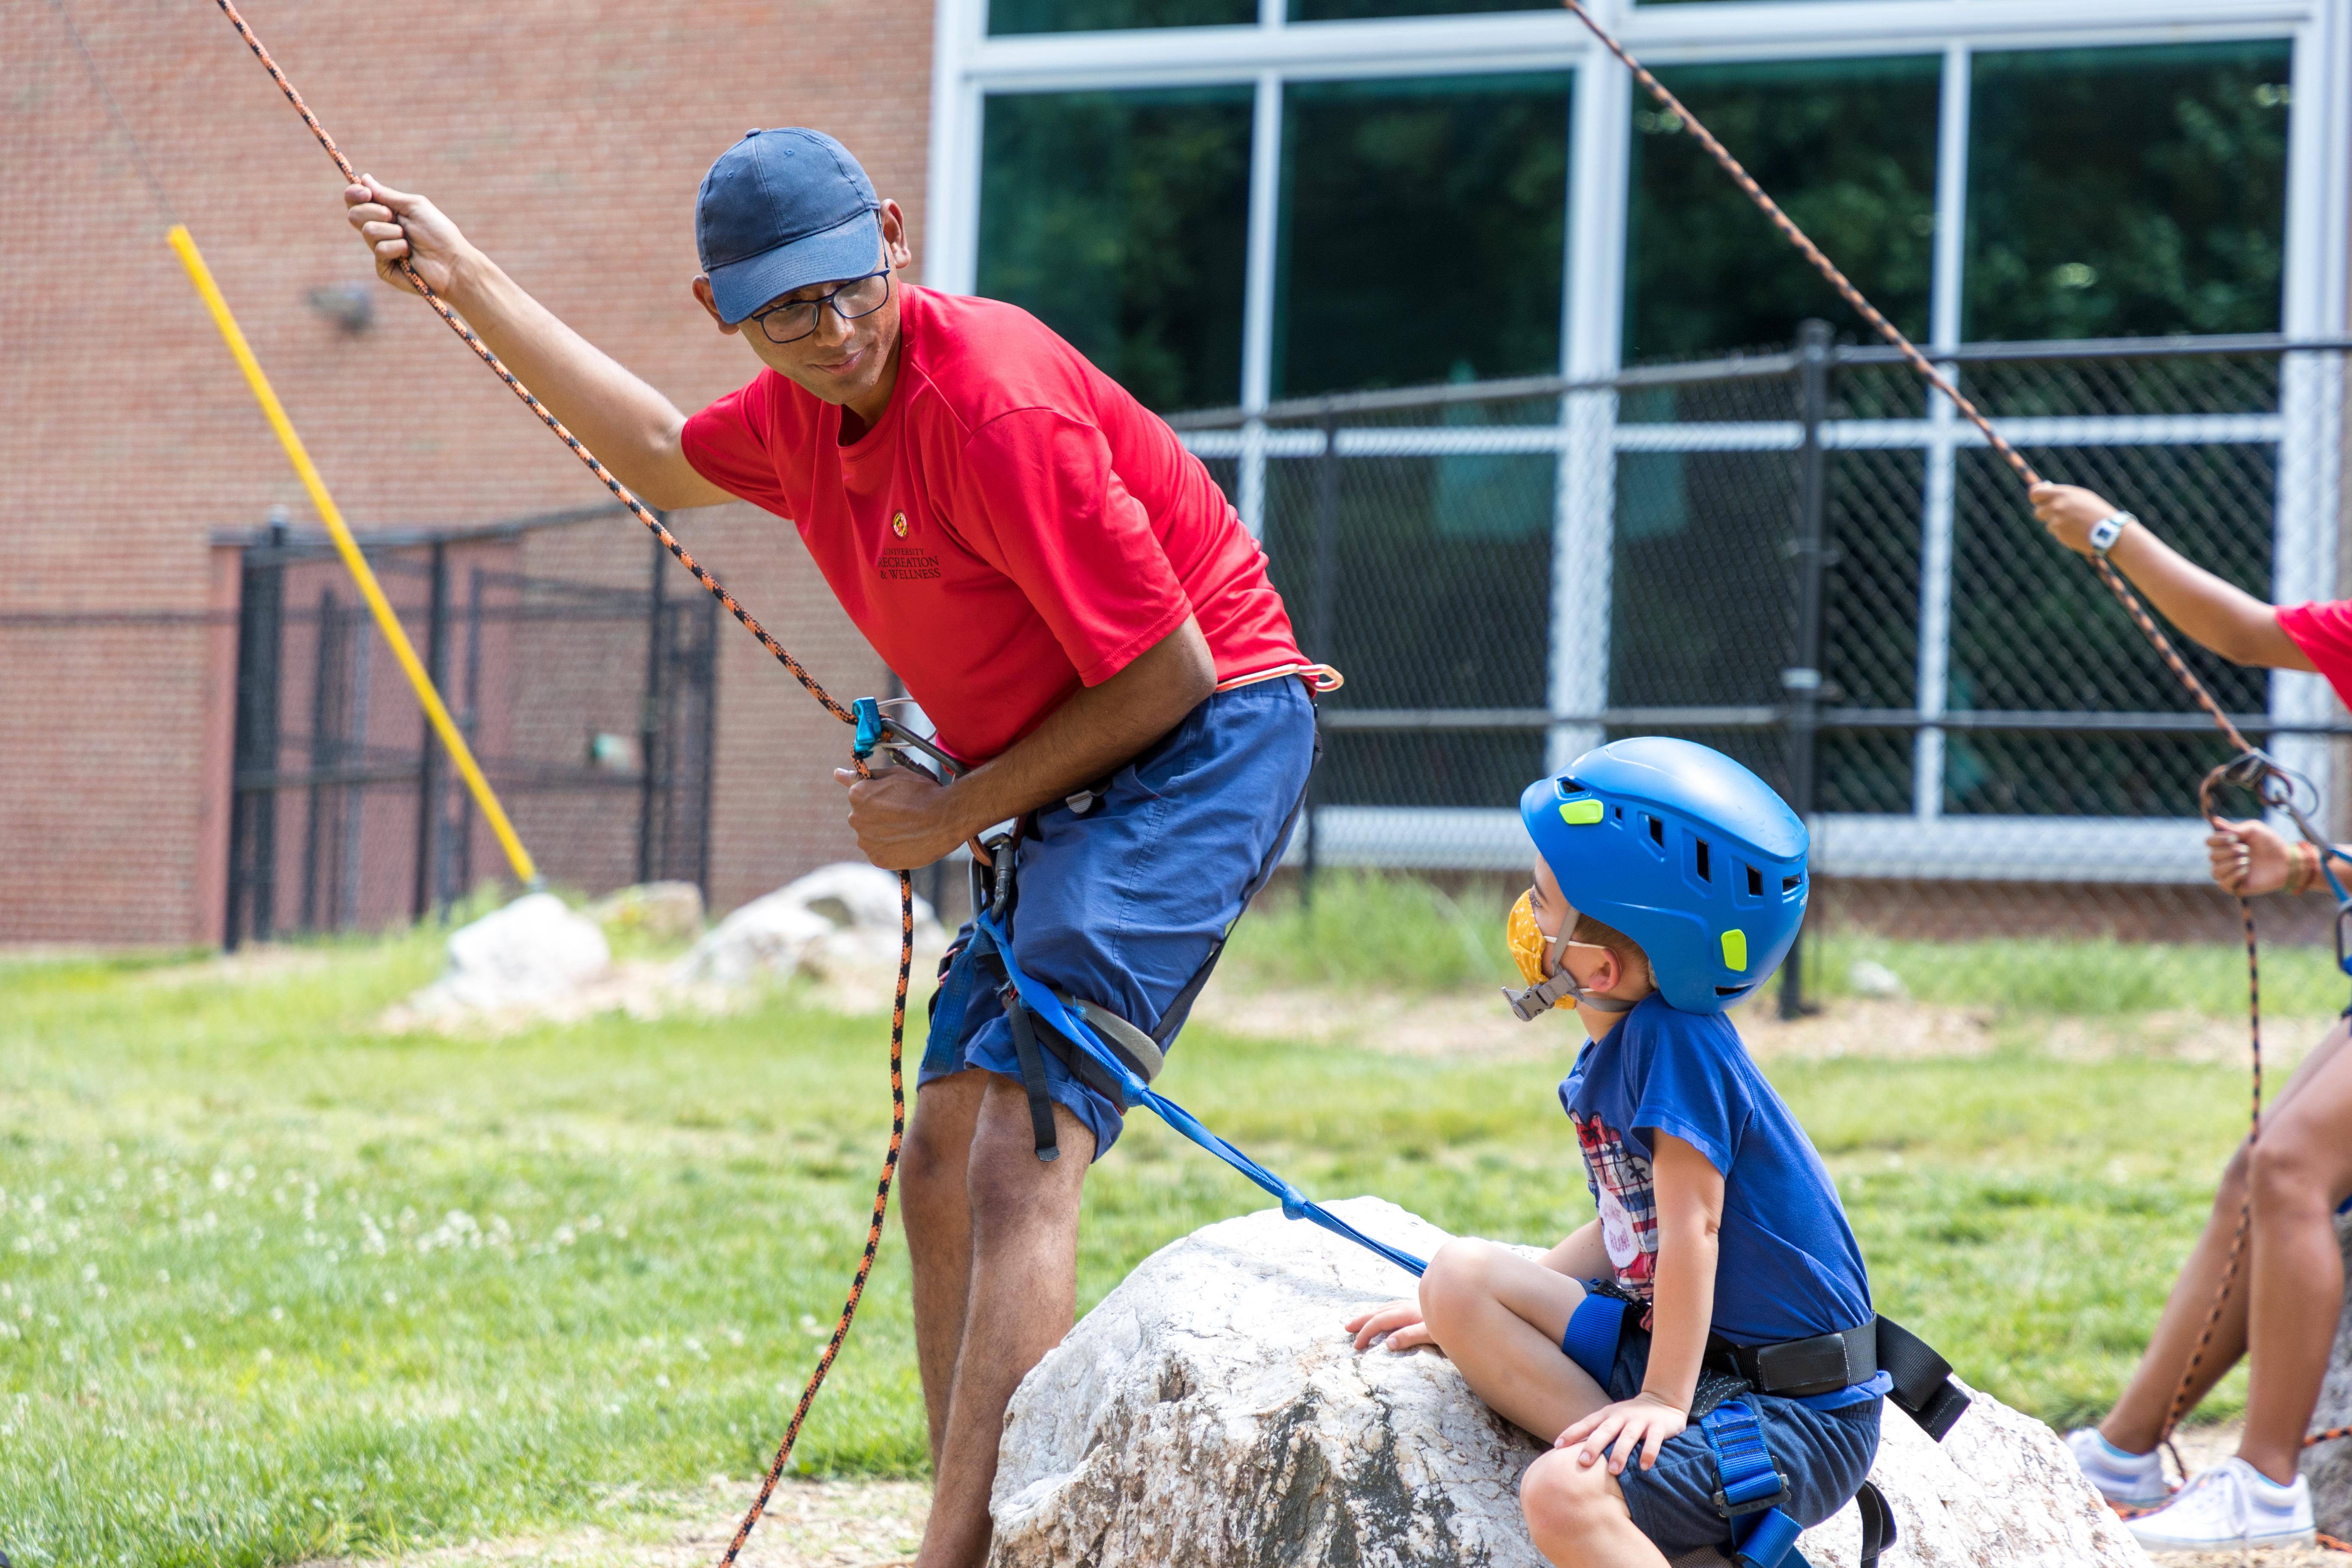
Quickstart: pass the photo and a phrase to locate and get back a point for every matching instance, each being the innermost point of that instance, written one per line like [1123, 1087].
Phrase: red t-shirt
[2324, 632]
[1013, 527]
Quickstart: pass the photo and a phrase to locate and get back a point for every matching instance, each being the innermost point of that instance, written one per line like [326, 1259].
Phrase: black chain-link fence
[1806, 560]
[589, 702]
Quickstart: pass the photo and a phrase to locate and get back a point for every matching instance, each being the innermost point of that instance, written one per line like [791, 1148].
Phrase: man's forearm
[1090, 736]
[627, 424]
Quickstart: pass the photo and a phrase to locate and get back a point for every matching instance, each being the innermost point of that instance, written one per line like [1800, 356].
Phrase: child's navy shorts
[1120, 906]
[1825, 1453]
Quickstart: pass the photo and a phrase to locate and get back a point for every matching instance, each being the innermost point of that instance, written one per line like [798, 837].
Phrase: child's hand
[2248, 859]
[1400, 1320]
[1640, 1424]
[2070, 512]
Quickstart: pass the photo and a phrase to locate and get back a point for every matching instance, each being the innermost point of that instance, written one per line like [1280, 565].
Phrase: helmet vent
[1790, 884]
[1657, 830]
[1702, 860]
[1755, 883]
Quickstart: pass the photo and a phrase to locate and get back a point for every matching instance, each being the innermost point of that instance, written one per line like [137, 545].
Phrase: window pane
[1847, 146]
[1120, 220]
[1006, 17]
[1421, 229]
[1348, 10]
[2125, 191]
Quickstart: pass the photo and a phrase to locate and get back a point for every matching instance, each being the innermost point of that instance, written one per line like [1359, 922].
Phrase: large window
[1229, 205]
[1118, 218]
[1421, 231]
[1704, 272]
[2128, 192]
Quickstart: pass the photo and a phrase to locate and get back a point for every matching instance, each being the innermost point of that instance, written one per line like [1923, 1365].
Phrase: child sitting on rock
[1718, 1307]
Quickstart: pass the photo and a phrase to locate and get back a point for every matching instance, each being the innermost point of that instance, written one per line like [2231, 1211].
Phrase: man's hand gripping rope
[415, 281]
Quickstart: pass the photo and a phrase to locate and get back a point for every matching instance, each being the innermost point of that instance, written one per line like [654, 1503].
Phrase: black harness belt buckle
[1822, 1364]
[1730, 1510]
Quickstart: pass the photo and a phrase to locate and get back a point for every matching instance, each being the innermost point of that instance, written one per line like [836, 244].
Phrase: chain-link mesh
[588, 703]
[1802, 559]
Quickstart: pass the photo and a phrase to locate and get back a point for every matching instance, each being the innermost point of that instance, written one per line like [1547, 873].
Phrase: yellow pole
[435, 712]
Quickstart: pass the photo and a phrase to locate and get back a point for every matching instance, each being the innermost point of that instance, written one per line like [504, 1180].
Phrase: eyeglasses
[792, 322]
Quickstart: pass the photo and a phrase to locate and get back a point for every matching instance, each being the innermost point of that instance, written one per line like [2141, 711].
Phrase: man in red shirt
[1075, 606]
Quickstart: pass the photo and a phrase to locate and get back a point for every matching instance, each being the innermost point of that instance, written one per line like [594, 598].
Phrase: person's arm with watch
[2249, 858]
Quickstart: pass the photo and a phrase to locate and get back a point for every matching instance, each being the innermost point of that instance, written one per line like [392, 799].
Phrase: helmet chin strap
[1534, 1001]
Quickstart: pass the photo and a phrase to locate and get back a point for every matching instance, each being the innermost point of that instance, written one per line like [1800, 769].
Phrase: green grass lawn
[272, 1285]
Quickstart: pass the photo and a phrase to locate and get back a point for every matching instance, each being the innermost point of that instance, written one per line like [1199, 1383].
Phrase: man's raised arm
[630, 426]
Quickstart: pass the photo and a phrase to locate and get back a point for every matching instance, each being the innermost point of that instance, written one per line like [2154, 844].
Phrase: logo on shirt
[899, 524]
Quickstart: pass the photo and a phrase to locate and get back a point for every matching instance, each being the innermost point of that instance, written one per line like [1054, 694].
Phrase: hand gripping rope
[2251, 768]
[808, 683]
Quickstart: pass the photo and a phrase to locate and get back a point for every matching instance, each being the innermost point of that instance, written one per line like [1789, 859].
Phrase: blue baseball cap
[781, 210]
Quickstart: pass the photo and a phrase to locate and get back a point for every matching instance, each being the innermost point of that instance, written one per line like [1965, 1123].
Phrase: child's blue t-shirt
[1787, 1265]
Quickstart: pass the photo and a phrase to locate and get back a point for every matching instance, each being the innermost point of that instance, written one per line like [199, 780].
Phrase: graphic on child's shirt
[1622, 1186]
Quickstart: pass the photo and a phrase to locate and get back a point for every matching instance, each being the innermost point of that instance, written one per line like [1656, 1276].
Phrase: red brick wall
[568, 139]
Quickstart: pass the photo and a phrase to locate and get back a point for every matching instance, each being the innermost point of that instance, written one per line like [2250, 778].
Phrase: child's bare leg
[2302, 1170]
[1576, 1515]
[2138, 1416]
[1500, 1316]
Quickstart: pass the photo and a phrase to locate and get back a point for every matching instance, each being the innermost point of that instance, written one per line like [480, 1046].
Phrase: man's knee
[1005, 1180]
[1563, 1501]
[939, 1135]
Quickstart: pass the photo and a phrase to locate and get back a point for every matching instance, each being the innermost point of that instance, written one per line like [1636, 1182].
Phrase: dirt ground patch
[809, 1524]
[1482, 1028]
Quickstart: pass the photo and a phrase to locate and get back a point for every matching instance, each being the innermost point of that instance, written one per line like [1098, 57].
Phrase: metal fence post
[1327, 576]
[1802, 680]
[429, 767]
[649, 714]
[253, 809]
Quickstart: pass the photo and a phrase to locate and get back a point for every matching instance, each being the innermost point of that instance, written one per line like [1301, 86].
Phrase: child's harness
[1827, 1371]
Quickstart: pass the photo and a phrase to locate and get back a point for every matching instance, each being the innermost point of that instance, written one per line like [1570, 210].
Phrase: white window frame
[968, 65]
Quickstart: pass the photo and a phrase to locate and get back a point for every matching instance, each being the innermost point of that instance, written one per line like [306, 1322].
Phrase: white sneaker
[2231, 1505]
[2134, 1480]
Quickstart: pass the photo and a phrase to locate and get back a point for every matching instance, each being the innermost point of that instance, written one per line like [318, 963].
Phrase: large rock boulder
[532, 953]
[1210, 1414]
[2329, 1465]
[840, 916]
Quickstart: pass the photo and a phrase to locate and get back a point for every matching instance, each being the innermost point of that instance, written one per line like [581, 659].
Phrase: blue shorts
[1121, 906]
[1825, 1453]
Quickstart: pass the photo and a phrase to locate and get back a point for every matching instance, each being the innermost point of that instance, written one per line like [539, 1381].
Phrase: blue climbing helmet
[1684, 851]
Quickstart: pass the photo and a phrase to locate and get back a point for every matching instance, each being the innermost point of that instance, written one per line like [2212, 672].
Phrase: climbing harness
[1113, 1055]
[2272, 783]
[1826, 1370]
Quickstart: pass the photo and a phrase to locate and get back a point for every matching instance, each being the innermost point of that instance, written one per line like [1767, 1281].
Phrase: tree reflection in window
[2126, 191]
[1848, 147]
[1121, 219]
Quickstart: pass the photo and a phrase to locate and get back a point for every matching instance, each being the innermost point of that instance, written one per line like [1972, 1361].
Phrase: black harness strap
[1924, 1389]
[1878, 1531]
[1033, 1076]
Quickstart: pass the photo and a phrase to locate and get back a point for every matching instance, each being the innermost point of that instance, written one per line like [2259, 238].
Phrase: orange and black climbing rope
[809, 683]
[2251, 766]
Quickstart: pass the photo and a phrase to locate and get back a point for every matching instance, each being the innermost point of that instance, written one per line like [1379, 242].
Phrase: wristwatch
[2106, 531]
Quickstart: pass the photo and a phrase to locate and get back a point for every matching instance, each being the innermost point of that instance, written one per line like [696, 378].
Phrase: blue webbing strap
[1296, 1204]
[1749, 1488]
